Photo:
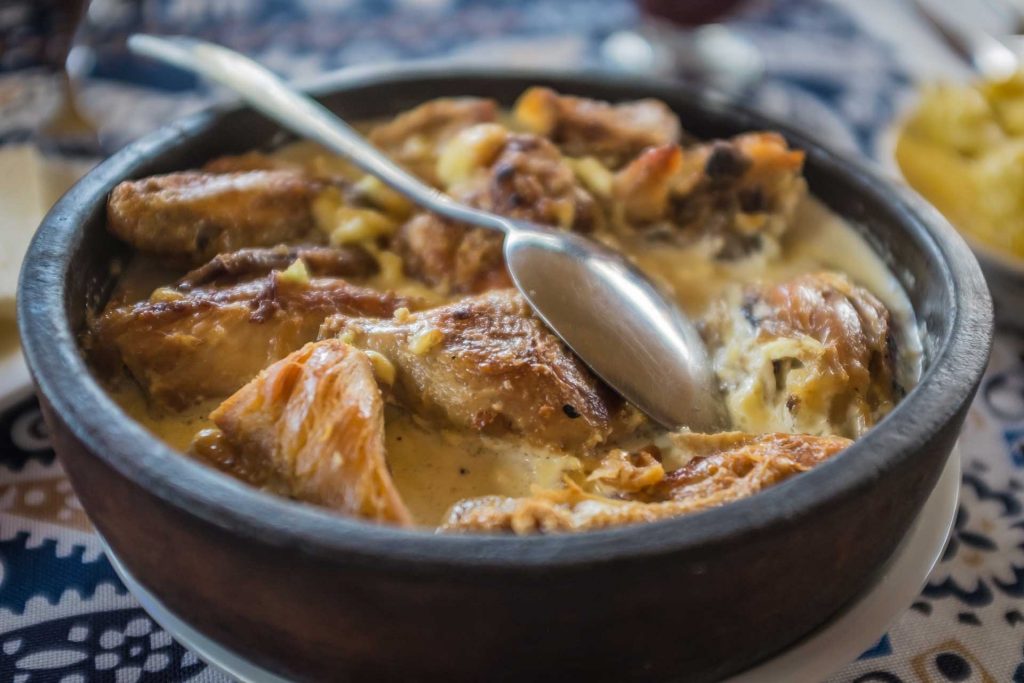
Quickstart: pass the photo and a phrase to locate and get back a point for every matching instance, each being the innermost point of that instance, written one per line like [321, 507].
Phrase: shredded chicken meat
[723, 468]
[815, 354]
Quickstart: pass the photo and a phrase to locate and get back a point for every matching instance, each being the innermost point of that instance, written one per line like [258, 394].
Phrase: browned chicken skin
[230, 267]
[724, 467]
[821, 351]
[486, 364]
[198, 215]
[738, 191]
[206, 343]
[526, 179]
[316, 421]
[613, 133]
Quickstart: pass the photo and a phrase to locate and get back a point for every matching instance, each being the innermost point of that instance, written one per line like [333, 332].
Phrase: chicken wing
[182, 347]
[722, 468]
[815, 354]
[316, 419]
[198, 215]
[613, 133]
[486, 364]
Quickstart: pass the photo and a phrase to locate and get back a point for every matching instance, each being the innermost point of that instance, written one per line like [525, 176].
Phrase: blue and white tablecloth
[839, 68]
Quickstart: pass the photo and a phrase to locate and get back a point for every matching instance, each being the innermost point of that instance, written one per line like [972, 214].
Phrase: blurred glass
[688, 12]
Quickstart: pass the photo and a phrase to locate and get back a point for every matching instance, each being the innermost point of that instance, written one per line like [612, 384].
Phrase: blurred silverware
[989, 55]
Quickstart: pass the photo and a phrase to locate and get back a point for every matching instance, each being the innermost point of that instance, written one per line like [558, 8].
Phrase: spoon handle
[264, 91]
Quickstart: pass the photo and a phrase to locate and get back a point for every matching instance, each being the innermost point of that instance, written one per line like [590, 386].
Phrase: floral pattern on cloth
[968, 623]
[65, 616]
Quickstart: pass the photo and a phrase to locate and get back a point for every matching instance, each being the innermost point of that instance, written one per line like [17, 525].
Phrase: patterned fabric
[840, 69]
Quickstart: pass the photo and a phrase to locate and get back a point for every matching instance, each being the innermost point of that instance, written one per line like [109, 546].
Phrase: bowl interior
[68, 273]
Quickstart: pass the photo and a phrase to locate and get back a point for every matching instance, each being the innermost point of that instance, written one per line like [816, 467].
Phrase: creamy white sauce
[435, 468]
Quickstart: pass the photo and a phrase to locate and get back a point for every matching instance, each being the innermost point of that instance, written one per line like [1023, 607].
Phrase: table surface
[841, 69]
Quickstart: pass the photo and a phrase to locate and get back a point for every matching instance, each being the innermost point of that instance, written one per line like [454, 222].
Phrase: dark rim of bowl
[61, 374]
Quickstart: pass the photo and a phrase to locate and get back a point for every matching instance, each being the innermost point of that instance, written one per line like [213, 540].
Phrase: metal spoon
[601, 306]
[990, 56]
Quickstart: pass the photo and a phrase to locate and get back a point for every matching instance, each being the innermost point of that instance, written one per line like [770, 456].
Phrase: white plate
[834, 645]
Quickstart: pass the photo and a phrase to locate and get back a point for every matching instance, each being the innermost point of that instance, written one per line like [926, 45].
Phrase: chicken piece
[487, 364]
[528, 179]
[622, 473]
[198, 215]
[814, 355]
[722, 468]
[414, 138]
[524, 178]
[349, 261]
[316, 419]
[740, 192]
[182, 347]
[613, 133]
[732, 465]
[450, 256]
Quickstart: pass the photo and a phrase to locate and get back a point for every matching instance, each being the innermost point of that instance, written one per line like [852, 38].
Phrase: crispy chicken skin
[414, 137]
[523, 177]
[232, 266]
[316, 419]
[739, 192]
[486, 364]
[815, 354]
[613, 133]
[723, 467]
[198, 215]
[182, 347]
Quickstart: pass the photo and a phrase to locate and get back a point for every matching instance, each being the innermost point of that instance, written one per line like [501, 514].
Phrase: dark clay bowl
[315, 596]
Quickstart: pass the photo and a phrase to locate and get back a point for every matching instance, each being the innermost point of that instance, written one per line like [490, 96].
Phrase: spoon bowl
[636, 348]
